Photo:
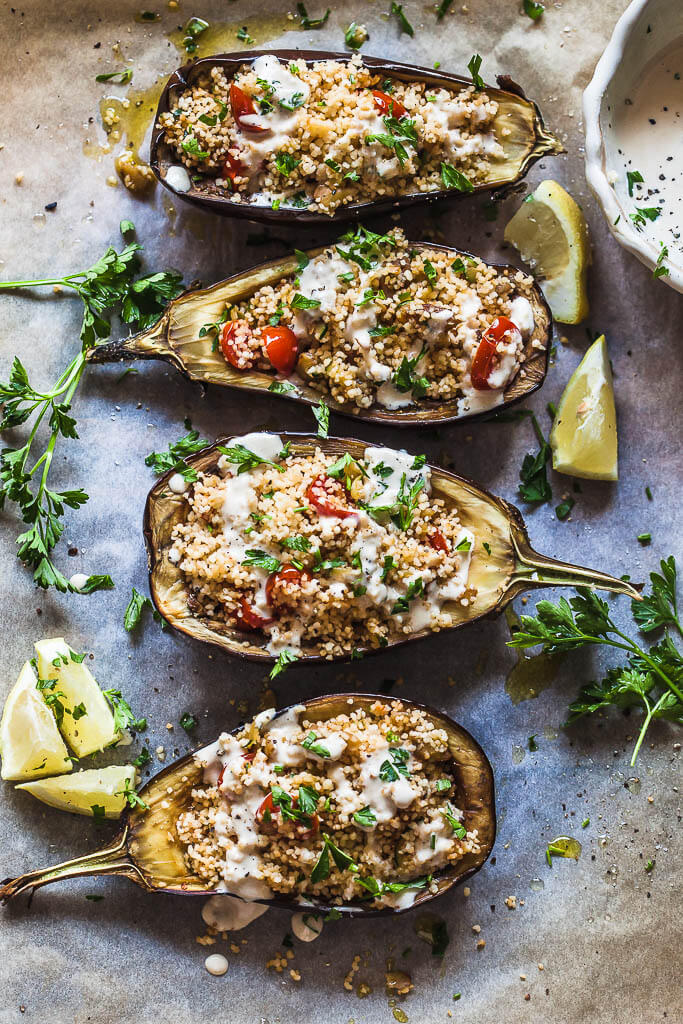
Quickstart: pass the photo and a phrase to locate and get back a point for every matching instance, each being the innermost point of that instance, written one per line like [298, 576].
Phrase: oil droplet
[221, 36]
[617, 776]
[603, 841]
[39, 219]
[400, 1015]
[564, 846]
[633, 785]
[537, 884]
[518, 754]
[432, 929]
[611, 873]
[549, 733]
[131, 115]
[532, 673]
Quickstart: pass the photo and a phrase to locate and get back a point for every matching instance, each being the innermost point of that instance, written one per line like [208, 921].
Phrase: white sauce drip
[178, 178]
[177, 483]
[216, 964]
[230, 914]
[79, 580]
[306, 927]
[279, 122]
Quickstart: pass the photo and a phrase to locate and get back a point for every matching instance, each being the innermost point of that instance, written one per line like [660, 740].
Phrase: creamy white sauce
[178, 178]
[278, 123]
[239, 496]
[216, 964]
[230, 914]
[648, 135]
[334, 744]
[319, 280]
[390, 397]
[306, 927]
[285, 734]
[522, 314]
[383, 490]
[79, 580]
[383, 797]
[177, 483]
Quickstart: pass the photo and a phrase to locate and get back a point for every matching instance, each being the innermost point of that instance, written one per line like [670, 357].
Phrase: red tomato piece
[286, 574]
[242, 105]
[227, 347]
[324, 493]
[220, 776]
[281, 347]
[438, 541]
[267, 810]
[387, 105]
[233, 168]
[265, 805]
[248, 618]
[484, 357]
[249, 756]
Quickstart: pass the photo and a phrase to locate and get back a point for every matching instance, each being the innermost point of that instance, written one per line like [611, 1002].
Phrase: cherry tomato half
[483, 361]
[387, 105]
[287, 573]
[248, 618]
[438, 541]
[281, 347]
[242, 105]
[233, 168]
[227, 338]
[324, 494]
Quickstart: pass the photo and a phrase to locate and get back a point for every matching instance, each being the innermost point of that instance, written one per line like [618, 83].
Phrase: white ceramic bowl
[620, 97]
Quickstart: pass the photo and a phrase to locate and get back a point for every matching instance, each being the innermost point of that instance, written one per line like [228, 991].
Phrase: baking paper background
[604, 929]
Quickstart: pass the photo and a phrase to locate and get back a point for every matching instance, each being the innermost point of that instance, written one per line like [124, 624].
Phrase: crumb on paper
[481, 944]
[355, 967]
[476, 928]
[511, 902]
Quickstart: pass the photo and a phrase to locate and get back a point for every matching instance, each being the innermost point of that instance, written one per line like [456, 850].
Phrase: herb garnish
[322, 414]
[442, 9]
[459, 829]
[106, 287]
[192, 147]
[402, 604]
[243, 35]
[473, 67]
[643, 213]
[136, 606]
[189, 721]
[355, 36]
[131, 797]
[174, 458]
[143, 758]
[286, 163]
[660, 269]
[282, 387]
[193, 30]
[651, 678]
[246, 459]
[453, 178]
[284, 659]
[300, 301]
[391, 769]
[378, 888]
[307, 22]
[123, 714]
[365, 817]
[631, 178]
[121, 77]
[261, 559]
[406, 27]
[321, 868]
[405, 379]
[533, 10]
[398, 133]
[365, 247]
[315, 748]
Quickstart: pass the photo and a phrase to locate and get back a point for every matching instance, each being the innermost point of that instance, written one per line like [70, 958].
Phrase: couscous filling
[323, 553]
[374, 320]
[360, 806]
[324, 135]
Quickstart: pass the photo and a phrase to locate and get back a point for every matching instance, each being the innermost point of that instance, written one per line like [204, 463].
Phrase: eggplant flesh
[175, 339]
[518, 126]
[506, 567]
[147, 850]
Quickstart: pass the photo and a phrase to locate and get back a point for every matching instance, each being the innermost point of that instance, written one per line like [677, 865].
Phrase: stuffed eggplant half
[283, 135]
[384, 329]
[362, 803]
[296, 548]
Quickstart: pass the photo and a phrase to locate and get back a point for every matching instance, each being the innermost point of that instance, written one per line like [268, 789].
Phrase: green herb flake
[533, 10]
[120, 77]
[308, 22]
[284, 660]
[632, 177]
[189, 721]
[244, 37]
[585, 823]
[564, 508]
[473, 67]
[455, 179]
[397, 10]
[322, 414]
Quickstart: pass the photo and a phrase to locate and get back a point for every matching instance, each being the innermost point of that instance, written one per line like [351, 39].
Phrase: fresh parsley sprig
[651, 678]
[109, 286]
[174, 458]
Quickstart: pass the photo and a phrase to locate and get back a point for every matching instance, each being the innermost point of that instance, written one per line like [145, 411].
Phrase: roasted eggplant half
[181, 133]
[484, 536]
[191, 335]
[149, 853]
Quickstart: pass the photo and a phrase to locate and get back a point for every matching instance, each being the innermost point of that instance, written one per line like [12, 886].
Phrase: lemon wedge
[551, 234]
[84, 730]
[87, 791]
[584, 433]
[29, 738]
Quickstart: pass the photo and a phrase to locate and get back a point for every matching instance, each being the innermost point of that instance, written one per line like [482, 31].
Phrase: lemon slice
[29, 738]
[88, 731]
[83, 792]
[551, 234]
[584, 434]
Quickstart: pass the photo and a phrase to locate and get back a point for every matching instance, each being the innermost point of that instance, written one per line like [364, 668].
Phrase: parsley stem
[646, 724]
[48, 280]
[648, 660]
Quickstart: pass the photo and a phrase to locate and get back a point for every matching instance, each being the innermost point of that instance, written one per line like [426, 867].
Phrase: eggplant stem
[112, 860]
[533, 570]
[149, 344]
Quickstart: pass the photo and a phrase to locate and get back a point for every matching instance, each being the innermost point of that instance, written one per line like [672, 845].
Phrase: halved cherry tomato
[227, 348]
[482, 363]
[281, 347]
[249, 756]
[248, 618]
[387, 105]
[287, 573]
[233, 168]
[220, 776]
[322, 494]
[241, 105]
[268, 806]
[438, 541]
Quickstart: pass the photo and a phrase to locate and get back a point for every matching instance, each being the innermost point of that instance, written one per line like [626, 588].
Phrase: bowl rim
[593, 96]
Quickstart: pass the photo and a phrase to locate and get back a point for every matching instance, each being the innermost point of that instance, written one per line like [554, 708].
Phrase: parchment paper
[605, 931]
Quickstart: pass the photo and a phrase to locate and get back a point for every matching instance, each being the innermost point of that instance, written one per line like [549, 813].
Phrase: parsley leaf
[322, 414]
[453, 178]
[123, 714]
[246, 459]
[122, 77]
[286, 163]
[174, 458]
[136, 606]
[473, 67]
[315, 748]
[533, 10]
[261, 559]
[132, 798]
[391, 769]
[243, 35]
[307, 22]
[659, 609]
[284, 659]
[406, 27]
[365, 817]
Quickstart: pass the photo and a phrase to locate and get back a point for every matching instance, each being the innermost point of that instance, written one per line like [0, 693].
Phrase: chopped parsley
[174, 459]
[365, 817]
[406, 27]
[123, 715]
[261, 559]
[402, 604]
[192, 148]
[121, 77]
[395, 766]
[282, 387]
[246, 459]
[644, 213]
[388, 565]
[131, 797]
[533, 10]
[440, 12]
[286, 163]
[473, 67]
[355, 36]
[455, 179]
[315, 748]
[322, 414]
[564, 508]
[399, 134]
[302, 302]
[321, 868]
[632, 177]
[660, 269]
[459, 829]
[284, 659]
[405, 379]
[244, 37]
[442, 785]
[430, 272]
[308, 22]
[189, 721]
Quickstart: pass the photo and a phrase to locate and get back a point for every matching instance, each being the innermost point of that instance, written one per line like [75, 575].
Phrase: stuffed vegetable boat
[285, 135]
[363, 803]
[296, 548]
[382, 328]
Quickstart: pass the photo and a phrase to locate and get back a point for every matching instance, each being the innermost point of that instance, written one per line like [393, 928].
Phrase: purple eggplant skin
[205, 196]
